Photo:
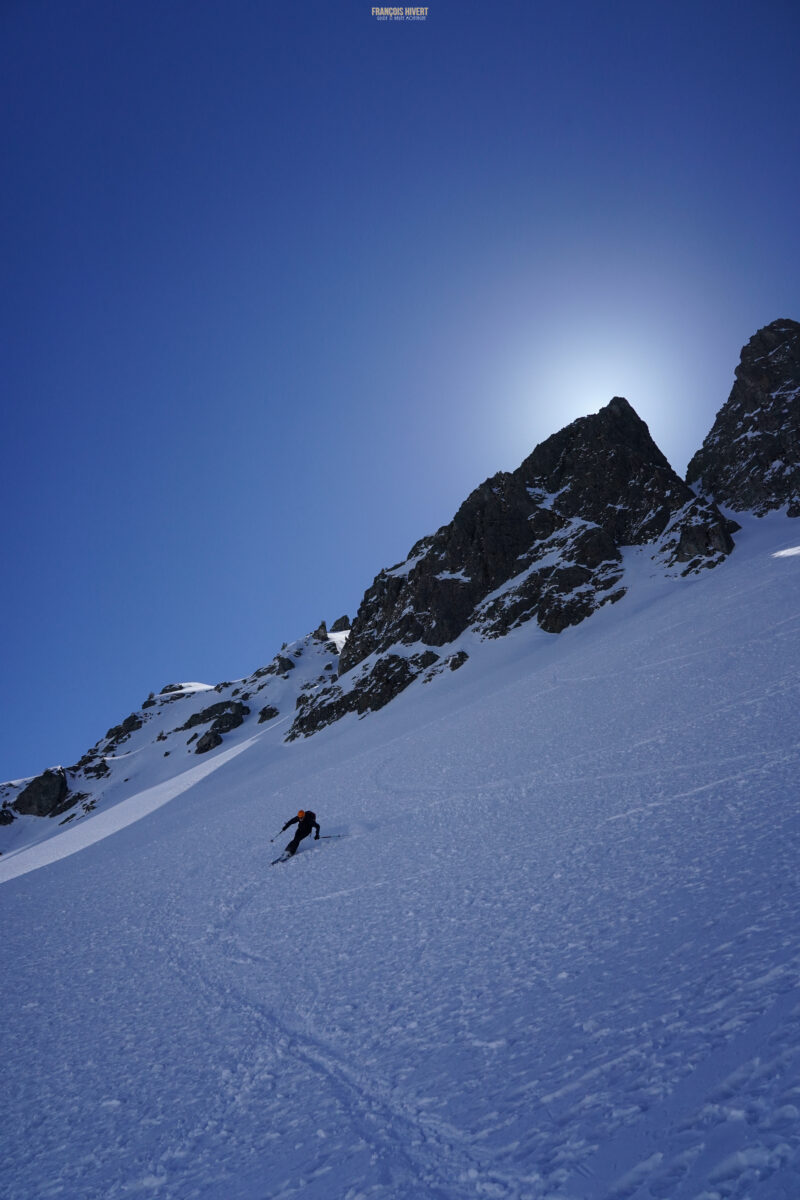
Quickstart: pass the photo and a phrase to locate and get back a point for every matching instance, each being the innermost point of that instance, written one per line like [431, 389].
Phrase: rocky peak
[751, 457]
[539, 543]
[606, 468]
[45, 796]
[598, 484]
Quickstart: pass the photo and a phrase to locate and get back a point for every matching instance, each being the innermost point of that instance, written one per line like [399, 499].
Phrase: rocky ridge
[178, 723]
[544, 542]
[750, 460]
[540, 543]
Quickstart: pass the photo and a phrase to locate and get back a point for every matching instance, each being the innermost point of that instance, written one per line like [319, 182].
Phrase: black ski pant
[296, 840]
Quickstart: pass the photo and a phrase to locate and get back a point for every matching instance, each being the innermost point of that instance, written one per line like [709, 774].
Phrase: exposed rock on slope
[154, 744]
[45, 796]
[541, 543]
[224, 716]
[555, 526]
[751, 458]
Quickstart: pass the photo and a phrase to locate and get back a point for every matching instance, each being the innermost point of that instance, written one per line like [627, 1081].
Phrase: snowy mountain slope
[515, 552]
[556, 955]
[159, 744]
[544, 543]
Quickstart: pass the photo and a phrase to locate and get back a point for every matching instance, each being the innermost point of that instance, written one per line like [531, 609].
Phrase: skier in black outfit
[305, 822]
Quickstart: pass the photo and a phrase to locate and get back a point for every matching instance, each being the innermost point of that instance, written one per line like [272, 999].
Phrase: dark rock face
[97, 770]
[608, 470]
[568, 576]
[553, 527]
[750, 460]
[541, 543]
[44, 796]
[376, 685]
[341, 625]
[121, 733]
[226, 715]
[697, 539]
[209, 741]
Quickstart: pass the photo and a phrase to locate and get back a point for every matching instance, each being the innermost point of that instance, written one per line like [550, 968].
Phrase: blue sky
[282, 283]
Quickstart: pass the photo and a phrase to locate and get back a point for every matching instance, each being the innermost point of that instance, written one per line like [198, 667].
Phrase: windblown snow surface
[557, 953]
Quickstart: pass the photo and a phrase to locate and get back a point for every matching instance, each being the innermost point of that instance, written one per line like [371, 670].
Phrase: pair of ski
[323, 837]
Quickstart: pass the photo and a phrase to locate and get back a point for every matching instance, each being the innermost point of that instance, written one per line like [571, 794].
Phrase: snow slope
[120, 779]
[556, 955]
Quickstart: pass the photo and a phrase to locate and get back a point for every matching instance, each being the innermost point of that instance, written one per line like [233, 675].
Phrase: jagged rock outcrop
[45, 796]
[120, 733]
[540, 543]
[375, 686]
[209, 741]
[750, 460]
[554, 526]
[224, 716]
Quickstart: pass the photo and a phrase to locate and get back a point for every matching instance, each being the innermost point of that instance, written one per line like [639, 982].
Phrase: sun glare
[580, 376]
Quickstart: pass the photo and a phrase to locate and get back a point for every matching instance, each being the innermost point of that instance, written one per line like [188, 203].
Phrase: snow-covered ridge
[158, 745]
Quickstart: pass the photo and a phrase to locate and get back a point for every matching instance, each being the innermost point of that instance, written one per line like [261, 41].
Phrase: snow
[556, 955]
[339, 639]
[403, 569]
[191, 687]
[158, 750]
[112, 820]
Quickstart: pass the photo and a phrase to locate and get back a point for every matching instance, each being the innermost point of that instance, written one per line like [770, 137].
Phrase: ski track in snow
[558, 955]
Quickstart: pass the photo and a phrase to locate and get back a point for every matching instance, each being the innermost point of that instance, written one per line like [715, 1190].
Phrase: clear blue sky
[282, 283]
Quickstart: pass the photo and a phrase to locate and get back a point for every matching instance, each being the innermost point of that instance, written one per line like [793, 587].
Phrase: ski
[322, 837]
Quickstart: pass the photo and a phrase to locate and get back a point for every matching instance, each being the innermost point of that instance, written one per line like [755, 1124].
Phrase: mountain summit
[542, 543]
[751, 458]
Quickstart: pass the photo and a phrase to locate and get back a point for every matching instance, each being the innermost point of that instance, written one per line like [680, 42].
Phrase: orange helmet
[301, 813]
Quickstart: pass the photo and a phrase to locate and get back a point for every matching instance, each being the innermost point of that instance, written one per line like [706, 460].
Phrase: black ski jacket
[304, 824]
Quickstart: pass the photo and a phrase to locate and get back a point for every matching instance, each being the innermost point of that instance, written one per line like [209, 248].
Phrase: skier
[305, 822]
